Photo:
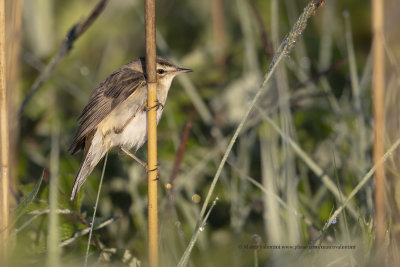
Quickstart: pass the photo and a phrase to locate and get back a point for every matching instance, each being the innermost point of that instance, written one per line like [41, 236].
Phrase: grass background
[320, 97]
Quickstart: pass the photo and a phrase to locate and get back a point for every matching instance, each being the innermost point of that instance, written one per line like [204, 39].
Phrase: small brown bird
[116, 113]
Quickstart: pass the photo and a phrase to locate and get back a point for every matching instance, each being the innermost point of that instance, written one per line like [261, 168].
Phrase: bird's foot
[153, 170]
[156, 106]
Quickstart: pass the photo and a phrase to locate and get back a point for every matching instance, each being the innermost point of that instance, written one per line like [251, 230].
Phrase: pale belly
[135, 133]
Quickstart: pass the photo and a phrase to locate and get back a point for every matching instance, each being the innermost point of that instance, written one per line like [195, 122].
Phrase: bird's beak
[183, 70]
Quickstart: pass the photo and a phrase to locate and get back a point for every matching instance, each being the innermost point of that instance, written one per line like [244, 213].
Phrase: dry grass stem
[378, 85]
[152, 175]
[90, 230]
[4, 143]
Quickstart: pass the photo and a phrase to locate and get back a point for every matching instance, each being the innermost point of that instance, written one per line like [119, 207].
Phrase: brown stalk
[179, 157]
[218, 19]
[378, 87]
[268, 49]
[152, 174]
[13, 44]
[4, 141]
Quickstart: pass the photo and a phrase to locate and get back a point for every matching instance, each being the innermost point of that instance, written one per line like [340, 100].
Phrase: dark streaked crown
[160, 61]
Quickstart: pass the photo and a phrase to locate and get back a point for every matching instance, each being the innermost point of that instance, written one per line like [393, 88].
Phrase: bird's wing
[110, 93]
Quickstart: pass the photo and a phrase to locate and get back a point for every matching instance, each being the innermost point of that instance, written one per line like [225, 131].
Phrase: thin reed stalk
[13, 43]
[95, 210]
[378, 87]
[218, 19]
[152, 174]
[4, 143]
[361, 143]
[53, 251]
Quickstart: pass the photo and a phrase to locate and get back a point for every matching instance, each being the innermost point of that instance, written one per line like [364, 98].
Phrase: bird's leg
[134, 157]
[145, 166]
[156, 106]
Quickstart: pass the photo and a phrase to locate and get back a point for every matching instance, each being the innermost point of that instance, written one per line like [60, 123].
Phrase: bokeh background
[320, 97]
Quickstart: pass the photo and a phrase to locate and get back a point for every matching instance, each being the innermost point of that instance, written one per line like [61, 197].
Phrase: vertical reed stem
[378, 86]
[218, 19]
[53, 240]
[13, 43]
[4, 143]
[152, 131]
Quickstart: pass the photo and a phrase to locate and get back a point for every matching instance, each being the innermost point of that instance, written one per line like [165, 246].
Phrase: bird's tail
[90, 160]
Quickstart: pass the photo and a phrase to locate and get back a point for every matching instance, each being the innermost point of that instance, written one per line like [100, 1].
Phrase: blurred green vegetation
[313, 107]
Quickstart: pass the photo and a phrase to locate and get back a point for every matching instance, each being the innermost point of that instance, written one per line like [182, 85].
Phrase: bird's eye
[160, 71]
